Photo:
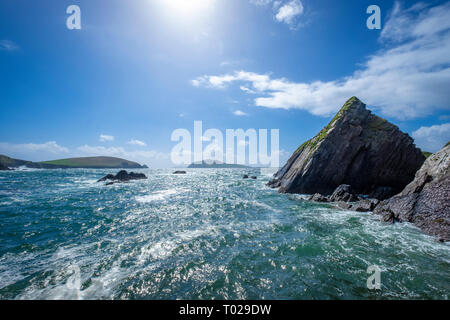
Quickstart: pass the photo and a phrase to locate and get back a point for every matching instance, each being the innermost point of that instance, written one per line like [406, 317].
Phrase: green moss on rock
[426, 154]
[314, 142]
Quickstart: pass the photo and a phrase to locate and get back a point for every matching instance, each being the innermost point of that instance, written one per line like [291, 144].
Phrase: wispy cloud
[261, 2]
[33, 151]
[137, 143]
[408, 79]
[7, 45]
[432, 138]
[105, 138]
[240, 113]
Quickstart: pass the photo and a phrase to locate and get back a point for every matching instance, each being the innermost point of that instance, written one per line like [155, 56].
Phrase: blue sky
[137, 70]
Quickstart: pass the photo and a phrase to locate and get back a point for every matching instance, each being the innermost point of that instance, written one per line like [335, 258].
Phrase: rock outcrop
[357, 148]
[425, 202]
[179, 172]
[318, 198]
[343, 193]
[122, 176]
[364, 205]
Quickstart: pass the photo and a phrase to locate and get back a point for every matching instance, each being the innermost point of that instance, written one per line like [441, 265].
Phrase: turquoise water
[205, 235]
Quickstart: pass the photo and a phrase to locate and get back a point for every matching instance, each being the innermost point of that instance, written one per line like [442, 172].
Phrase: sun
[188, 9]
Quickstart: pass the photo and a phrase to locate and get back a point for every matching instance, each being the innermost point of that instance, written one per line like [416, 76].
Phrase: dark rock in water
[253, 177]
[4, 168]
[179, 172]
[357, 148]
[109, 183]
[123, 176]
[318, 198]
[425, 202]
[343, 193]
[107, 177]
[345, 199]
[245, 176]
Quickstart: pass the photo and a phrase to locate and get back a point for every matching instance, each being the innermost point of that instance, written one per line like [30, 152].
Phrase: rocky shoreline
[363, 163]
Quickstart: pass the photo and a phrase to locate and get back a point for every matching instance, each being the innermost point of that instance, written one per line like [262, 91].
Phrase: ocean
[208, 234]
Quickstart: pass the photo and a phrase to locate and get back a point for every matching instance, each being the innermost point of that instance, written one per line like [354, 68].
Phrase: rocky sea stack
[425, 202]
[356, 148]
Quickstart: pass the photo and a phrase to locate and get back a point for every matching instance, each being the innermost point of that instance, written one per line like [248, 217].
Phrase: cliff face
[357, 148]
[425, 202]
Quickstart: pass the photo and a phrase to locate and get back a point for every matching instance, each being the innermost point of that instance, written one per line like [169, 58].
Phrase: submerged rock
[357, 148]
[123, 176]
[245, 176]
[425, 202]
[179, 172]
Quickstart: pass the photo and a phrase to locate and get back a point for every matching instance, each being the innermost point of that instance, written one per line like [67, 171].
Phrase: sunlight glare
[188, 9]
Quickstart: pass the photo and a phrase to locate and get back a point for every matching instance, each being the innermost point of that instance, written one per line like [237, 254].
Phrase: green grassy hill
[88, 163]
[93, 162]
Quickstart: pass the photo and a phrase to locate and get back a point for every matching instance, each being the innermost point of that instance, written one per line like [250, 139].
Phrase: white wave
[25, 168]
[164, 248]
[263, 205]
[156, 196]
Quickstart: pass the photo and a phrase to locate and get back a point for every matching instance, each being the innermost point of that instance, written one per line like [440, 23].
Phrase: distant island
[72, 163]
[215, 165]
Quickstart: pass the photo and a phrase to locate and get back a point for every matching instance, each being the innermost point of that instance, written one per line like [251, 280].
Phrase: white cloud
[408, 79]
[432, 138]
[137, 143]
[106, 138]
[150, 157]
[240, 113]
[289, 11]
[286, 11]
[7, 45]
